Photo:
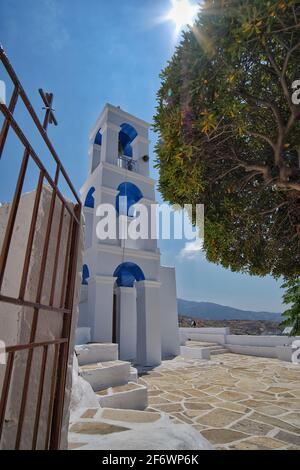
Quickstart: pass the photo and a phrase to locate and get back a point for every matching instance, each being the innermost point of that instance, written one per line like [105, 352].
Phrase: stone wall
[15, 321]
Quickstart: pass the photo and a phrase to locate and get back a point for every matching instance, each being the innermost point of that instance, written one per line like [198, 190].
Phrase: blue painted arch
[127, 274]
[126, 137]
[133, 194]
[98, 138]
[85, 275]
[89, 200]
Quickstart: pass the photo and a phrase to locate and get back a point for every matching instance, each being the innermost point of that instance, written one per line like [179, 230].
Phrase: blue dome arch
[85, 275]
[126, 137]
[98, 138]
[89, 200]
[127, 274]
[133, 194]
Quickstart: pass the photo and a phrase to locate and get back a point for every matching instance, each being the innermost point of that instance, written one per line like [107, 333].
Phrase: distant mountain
[211, 311]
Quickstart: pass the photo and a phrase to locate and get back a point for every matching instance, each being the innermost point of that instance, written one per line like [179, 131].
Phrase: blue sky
[89, 52]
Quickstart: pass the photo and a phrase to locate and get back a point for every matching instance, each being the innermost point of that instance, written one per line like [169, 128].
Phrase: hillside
[211, 311]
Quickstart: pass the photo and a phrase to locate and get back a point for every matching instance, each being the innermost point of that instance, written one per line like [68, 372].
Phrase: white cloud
[192, 249]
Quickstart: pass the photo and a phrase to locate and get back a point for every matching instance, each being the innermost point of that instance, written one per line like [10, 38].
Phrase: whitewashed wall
[168, 312]
[262, 346]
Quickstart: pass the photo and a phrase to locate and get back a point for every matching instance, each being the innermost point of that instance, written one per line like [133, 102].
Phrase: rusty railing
[59, 347]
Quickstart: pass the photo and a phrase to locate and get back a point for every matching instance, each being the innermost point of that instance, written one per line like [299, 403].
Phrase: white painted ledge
[107, 374]
[194, 353]
[132, 396]
[96, 352]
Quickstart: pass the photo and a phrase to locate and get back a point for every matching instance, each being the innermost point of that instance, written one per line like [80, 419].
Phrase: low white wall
[204, 330]
[260, 351]
[248, 340]
[211, 335]
[262, 346]
[284, 353]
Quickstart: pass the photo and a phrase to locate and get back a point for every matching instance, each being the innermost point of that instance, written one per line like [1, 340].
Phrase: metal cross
[49, 116]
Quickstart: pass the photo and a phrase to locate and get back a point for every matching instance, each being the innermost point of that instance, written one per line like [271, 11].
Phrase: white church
[127, 297]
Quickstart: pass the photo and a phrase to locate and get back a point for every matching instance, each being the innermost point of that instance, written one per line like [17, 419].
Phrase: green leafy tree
[230, 132]
[292, 298]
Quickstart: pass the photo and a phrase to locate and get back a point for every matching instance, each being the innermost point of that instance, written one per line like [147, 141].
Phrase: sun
[182, 13]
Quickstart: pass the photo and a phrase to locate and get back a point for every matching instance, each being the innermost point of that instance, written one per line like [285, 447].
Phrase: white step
[219, 351]
[115, 429]
[131, 396]
[202, 349]
[103, 375]
[214, 348]
[96, 352]
[201, 344]
[194, 353]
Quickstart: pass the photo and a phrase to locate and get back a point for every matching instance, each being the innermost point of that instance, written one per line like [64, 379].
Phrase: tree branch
[263, 137]
[281, 77]
[227, 172]
[287, 58]
[275, 208]
[245, 181]
[262, 169]
[288, 186]
[264, 103]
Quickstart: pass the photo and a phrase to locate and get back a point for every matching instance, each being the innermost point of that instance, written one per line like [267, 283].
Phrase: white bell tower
[124, 287]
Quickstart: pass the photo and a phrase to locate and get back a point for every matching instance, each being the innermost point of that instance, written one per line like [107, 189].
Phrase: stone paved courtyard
[237, 402]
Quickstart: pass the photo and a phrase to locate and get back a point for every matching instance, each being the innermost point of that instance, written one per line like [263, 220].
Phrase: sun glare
[182, 13]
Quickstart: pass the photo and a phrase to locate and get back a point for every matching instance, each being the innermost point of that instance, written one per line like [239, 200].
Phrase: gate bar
[5, 128]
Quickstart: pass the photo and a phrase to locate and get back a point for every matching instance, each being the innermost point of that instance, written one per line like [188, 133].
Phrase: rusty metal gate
[56, 371]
